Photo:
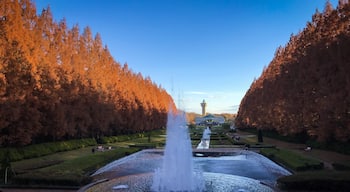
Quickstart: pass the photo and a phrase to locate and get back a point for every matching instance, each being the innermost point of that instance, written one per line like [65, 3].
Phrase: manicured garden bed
[38, 150]
[69, 163]
[291, 159]
[73, 172]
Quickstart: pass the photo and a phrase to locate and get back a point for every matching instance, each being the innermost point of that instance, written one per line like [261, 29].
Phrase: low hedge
[37, 150]
[42, 180]
[121, 138]
[316, 181]
[292, 160]
[144, 145]
[220, 142]
[341, 166]
[196, 137]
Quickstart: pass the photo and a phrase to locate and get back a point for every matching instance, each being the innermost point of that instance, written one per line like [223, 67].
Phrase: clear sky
[194, 49]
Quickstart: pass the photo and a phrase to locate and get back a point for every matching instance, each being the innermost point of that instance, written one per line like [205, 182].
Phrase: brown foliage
[56, 83]
[305, 88]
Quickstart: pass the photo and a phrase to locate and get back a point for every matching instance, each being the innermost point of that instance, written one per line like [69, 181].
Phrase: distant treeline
[305, 90]
[57, 83]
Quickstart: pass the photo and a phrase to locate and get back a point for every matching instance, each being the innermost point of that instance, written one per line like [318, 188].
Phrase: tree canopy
[305, 89]
[57, 83]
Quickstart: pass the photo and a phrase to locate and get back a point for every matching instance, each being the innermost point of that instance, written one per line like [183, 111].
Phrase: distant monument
[208, 119]
[203, 104]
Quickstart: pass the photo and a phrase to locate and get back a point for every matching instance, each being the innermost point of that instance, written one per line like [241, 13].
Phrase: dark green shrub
[144, 145]
[120, 138]
[220, 142]
[226, 126]
[41, 180]
[341, 166]
[14, 154]
[316, 181]
[192, 126]
[260, 136]
[104, 140]
[238, 143]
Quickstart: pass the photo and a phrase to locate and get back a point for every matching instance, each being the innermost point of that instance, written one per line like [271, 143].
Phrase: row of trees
[305, 89]
[57, 83]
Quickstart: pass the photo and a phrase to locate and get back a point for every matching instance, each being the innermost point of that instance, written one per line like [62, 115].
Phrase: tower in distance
[203, 104]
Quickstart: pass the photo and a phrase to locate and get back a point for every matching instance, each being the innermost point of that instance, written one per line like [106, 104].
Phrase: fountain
[177, 172]
[175, 169]
[205, 141]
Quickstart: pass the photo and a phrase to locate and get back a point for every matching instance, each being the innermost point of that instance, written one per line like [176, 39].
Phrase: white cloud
[195, 93]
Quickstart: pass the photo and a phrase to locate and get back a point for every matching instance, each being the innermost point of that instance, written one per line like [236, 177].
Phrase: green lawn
[34, 163]
[72, 168]
[292, 160]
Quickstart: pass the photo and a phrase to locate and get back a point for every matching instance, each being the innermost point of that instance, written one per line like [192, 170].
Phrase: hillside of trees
[57, 83]
[305, 90]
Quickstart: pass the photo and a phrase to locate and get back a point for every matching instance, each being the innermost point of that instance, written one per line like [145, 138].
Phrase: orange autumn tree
[57, 83]
[305, 89]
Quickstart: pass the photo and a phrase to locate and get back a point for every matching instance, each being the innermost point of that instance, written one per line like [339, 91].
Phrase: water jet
[177, 172]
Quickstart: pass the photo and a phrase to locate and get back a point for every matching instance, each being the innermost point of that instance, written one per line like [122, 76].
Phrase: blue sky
[194, 49]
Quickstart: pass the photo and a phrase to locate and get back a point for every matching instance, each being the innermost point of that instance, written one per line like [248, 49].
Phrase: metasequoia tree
[305, 88]
[57, 83]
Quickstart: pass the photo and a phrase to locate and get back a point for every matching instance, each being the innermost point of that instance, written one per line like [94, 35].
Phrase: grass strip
[38, 150]
[291, 159]
[73, 172]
